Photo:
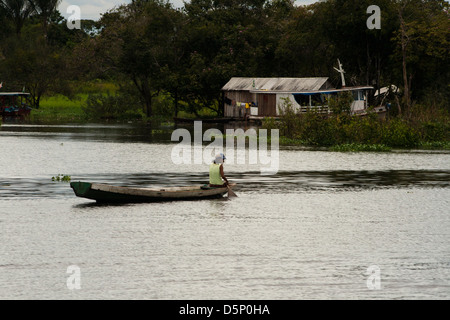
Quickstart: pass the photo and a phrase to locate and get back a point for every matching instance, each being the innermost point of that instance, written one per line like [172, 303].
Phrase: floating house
[263, 97]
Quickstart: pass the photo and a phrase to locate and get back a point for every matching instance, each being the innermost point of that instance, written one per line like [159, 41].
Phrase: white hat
[219, 158]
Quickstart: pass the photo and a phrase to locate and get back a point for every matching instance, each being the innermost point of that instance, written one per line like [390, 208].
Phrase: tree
[18, 11]
[137, 40]
[227, 38]
[422, 40]
[36, 66]
[302, 49]
[6, 25]
[340, 28]
[45, 9]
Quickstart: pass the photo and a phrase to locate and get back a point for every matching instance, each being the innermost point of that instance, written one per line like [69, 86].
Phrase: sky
[92, 9]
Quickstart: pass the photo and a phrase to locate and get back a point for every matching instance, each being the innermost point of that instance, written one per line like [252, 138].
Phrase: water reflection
[130, 133]
[283, 182]
[119, 132]
[33, 153]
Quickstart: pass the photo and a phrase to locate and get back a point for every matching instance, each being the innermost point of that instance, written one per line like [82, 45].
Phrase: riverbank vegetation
[147, 60]
[342, 131]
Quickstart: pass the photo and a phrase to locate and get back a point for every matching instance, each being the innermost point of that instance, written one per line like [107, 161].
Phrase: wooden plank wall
[267, 103]
[240, 96]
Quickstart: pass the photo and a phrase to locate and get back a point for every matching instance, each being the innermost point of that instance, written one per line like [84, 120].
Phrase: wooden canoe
[104, 193]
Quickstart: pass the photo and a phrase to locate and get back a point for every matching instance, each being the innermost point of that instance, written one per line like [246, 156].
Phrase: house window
[302, 100]
[358, 95]
[317, 100]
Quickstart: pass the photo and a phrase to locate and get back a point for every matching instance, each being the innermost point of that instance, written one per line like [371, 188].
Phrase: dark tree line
[149, 47]
[36, 48]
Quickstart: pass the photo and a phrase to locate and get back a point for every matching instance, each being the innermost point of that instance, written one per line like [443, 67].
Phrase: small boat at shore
[12, 104]
[104, 193]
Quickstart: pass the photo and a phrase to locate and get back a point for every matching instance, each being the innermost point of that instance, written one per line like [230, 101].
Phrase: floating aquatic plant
[62, 178]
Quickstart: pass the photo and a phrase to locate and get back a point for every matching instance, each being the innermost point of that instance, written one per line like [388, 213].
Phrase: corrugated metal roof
[329, 91]
[14, 94]
[275, 84]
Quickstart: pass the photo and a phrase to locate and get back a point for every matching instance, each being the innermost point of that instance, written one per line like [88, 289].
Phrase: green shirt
[214, 174]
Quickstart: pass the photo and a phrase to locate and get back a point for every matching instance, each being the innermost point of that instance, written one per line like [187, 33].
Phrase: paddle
[230, 192]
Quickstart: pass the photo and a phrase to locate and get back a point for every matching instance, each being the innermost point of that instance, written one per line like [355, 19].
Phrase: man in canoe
[216, 174]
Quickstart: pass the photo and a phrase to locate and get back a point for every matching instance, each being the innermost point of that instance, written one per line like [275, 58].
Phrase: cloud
[90, 9]
[93, 9]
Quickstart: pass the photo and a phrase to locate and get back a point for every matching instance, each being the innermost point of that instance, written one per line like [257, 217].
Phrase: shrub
[118, 106]
[355, 147]
[317, 130]
[163, 105]
[289, 125]
[439, 145]
[341, 103]
[397, 133]
[270, 123]
[364, 130]
[435, 131]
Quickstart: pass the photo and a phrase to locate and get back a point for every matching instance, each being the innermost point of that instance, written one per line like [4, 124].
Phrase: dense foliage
[150, 48]
[343, 131]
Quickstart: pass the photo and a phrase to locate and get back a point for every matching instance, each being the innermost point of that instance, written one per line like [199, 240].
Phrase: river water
[327, 225]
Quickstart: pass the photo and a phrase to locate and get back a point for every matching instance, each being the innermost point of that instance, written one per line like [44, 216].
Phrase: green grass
[436, 145]
[96, 86]
[204, 113]
[285, 141]
[356, 147]
[59, 109]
